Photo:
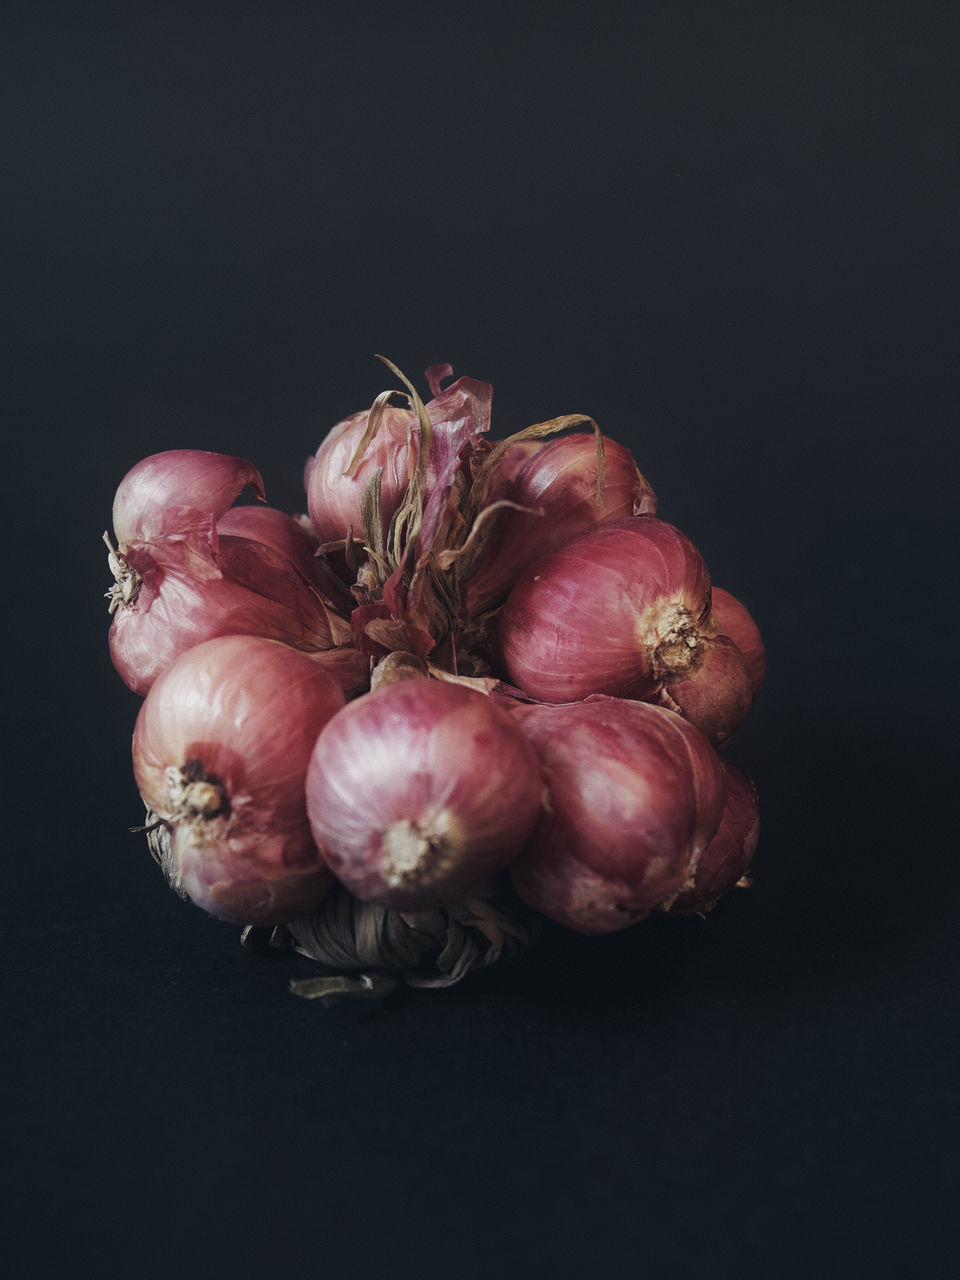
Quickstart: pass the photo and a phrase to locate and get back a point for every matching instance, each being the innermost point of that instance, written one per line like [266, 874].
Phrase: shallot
[625, 610]
[420, 791]
[635, 797]
[220, 754]
[726, 858]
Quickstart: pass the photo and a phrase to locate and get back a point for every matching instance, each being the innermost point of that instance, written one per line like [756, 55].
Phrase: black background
[728, 232]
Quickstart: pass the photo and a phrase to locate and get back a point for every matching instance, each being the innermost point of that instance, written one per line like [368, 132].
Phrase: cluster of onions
[479, 683]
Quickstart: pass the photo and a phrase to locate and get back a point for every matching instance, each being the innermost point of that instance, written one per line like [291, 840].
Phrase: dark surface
[728, 232]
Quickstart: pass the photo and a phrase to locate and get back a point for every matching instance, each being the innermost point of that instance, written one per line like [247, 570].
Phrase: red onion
[558, 479]
[179, 599]
[420, 791]
[734, 621]
[635, 795]
[624, 610]
[726, 858]
[178, 492]
[220, 752]
[333, 498]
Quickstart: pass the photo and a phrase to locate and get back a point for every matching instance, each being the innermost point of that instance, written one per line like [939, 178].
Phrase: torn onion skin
[727, 857]
[420, 791]
[220, 754]
[556, 484]
[624, 610]
[635, 795]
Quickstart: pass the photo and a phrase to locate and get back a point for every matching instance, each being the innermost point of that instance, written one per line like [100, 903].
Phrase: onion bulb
[220, 754]
[733, 620]
[420, 791]
[624, 610]
[726, 858]
[556, 485]
[635, 796]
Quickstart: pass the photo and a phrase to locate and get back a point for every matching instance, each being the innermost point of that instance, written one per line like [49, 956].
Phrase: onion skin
[624, 610]
[178, 492]
[733, 620]
[419, 792]
[728, 855]
[635, 797]
[333, 499]
[220, 753]
[558, 479]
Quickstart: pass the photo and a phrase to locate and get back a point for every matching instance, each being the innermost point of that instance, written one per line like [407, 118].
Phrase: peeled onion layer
[624, 610]
[220, 754]
[728, 855]
[635, 797]
[420, 792]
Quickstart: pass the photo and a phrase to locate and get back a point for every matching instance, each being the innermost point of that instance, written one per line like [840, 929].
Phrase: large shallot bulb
[420, 791]
[726, 858]
[635, 796]
[554, 490]
[220, 754]
[625, 610]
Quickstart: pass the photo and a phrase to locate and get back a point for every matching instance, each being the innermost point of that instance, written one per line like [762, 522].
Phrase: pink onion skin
[559, 479]
[333, 499]
[178, 492]
[728, 855]
[420, 791]
[734, 620]
[635, 797]
[184, 600]
[220, 753]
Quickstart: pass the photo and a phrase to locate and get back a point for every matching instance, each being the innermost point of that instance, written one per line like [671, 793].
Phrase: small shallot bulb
[220, 754]
[420, 791]
[334, 498]
[625, 610]
[727, 857]
[635, 795]
[559, 480]
[734, 621]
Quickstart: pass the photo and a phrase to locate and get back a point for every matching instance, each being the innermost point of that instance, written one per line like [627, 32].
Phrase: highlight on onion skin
[728, 855]
[558, 480]
[420, 791]
[734, 620]
[220, 754]
[635, 797]
[624, 610]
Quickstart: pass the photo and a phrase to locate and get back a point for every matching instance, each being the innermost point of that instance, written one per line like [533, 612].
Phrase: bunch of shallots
[481, 683]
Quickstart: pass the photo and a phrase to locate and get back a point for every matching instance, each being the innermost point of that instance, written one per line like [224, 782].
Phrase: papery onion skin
[635, 797]
[184, 600]
[174, 493]
[558, 479]
[333, 498]
[728, 855]
[421, 791]
[220, 753]
[735, 621]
